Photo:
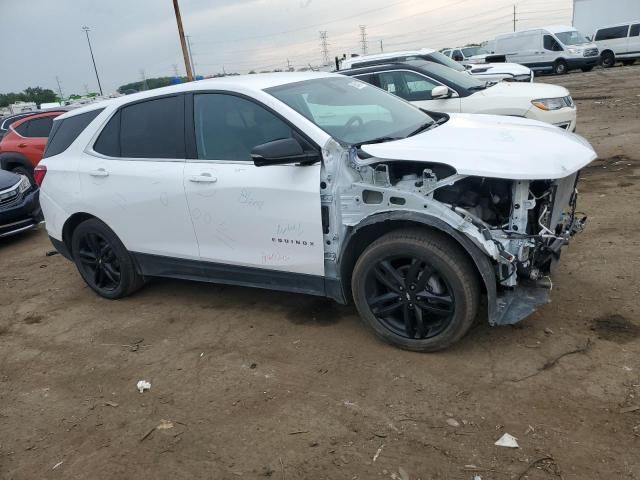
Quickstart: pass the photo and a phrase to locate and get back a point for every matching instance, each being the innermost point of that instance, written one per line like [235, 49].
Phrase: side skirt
[160, 266]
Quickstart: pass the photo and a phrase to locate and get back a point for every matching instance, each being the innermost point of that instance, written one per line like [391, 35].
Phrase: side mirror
[439, 92]
[281, 152]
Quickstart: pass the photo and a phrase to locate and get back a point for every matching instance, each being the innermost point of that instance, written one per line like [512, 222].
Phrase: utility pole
[289, 68]
[363, 39]
[193, 65]
[183, 43]
[86, 89]
[59, 89]
[175, 70]
[144, 80]
[514, 18]
[325, 47]
[381, 47]
[86, 30]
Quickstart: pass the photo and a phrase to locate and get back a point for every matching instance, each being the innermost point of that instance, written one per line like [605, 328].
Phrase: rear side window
[612, 33]
[635, 30]
[36, 128]
[150, 129]
[65, 131]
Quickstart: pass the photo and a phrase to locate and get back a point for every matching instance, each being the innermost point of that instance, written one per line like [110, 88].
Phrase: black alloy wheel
[99, 261]
[409, 297]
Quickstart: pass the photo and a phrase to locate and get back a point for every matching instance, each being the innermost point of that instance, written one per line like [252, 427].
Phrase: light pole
[86, 30]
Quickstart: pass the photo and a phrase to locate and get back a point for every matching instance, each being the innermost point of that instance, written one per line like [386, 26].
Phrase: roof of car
[382, 56]
[410, 64]
[255, 82]
[621, 24]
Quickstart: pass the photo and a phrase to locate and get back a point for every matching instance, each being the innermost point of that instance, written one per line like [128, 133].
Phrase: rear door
[265, 218]
[416, 88]
[132, 178]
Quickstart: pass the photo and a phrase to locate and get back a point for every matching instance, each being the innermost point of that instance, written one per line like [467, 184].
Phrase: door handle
[100, 172]
[203, 178]
[22, 145]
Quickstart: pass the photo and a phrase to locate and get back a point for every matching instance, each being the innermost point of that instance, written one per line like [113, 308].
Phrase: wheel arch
[71, 224]
[10, 160]
[374, 226]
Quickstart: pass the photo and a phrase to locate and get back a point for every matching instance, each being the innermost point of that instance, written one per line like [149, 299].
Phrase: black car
[19, 205]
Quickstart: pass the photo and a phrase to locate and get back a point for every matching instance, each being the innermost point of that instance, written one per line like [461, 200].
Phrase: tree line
[32, 94]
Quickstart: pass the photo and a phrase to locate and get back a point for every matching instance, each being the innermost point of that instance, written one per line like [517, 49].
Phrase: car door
[634, 40]
[131, 178]
[416, 88]
[249, 217]
[551, 49]
[33, 138]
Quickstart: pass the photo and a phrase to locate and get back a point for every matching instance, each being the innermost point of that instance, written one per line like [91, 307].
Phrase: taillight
[39, 173]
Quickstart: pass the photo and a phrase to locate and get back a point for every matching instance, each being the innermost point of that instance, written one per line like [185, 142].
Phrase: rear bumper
[22, 216]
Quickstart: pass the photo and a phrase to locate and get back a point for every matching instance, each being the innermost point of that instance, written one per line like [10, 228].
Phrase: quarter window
[228, 127]
[635, 30]
[149, 129]
[65, 131]
[612, 33]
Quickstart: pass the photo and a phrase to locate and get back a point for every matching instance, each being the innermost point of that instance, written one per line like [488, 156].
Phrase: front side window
[349, 110]
[407, 85]
[36, 128]
[635, 30]
[228, 127]
[149, 129]
[572, 37]
[551, 43]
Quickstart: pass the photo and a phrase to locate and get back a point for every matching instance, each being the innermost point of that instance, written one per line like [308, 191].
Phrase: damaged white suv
[319, 184]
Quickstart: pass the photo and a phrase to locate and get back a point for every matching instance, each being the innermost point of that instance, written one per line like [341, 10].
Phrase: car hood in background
[493, 146]
[8, 179]
[524, 89]
[495, 68]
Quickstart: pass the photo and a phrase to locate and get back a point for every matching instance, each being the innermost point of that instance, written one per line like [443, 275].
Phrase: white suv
[319, 184]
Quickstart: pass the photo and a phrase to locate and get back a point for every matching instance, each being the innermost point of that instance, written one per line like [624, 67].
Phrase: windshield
[351, 111]
[444, 60]
[471, 51]
[456, 78]
[572, 37]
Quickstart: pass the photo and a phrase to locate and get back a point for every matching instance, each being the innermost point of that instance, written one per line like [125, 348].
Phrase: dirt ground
[255, 384]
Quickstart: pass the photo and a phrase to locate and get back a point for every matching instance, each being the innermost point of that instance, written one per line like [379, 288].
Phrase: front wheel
[416, 290]
[103, 261]
[608, 59]
[560, 67]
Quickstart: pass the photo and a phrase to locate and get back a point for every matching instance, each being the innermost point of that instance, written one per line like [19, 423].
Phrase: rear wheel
[416, 290]
[103, 261]
[560, 67]
[608, 59]
[626, 63]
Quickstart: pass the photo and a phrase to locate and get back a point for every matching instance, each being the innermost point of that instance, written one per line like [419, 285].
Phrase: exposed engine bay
[521, 225]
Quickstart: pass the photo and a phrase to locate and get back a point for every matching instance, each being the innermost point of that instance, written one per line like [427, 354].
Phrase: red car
[23, 146]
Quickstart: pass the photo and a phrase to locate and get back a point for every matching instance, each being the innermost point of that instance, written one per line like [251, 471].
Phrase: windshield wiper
[376, 140]
[428, 126]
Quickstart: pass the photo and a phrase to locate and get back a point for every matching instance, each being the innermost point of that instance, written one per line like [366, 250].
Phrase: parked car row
[323, 184]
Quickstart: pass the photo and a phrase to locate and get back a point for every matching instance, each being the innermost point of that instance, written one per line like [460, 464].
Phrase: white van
[556, 49]
[618, 42]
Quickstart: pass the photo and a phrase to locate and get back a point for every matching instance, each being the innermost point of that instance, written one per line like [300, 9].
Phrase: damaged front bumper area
[542, 220]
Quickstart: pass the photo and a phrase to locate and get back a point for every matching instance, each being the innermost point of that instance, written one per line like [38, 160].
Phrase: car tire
[560, 67]
[24, 171]
[586, 69]
[627, 63]
[608, 59]
[416, 290]
[103, 261]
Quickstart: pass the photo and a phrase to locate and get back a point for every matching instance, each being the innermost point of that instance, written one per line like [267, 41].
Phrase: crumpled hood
[524, 89]
[493, 146]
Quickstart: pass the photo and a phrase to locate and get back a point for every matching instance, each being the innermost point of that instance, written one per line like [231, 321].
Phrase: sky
[132, 38]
